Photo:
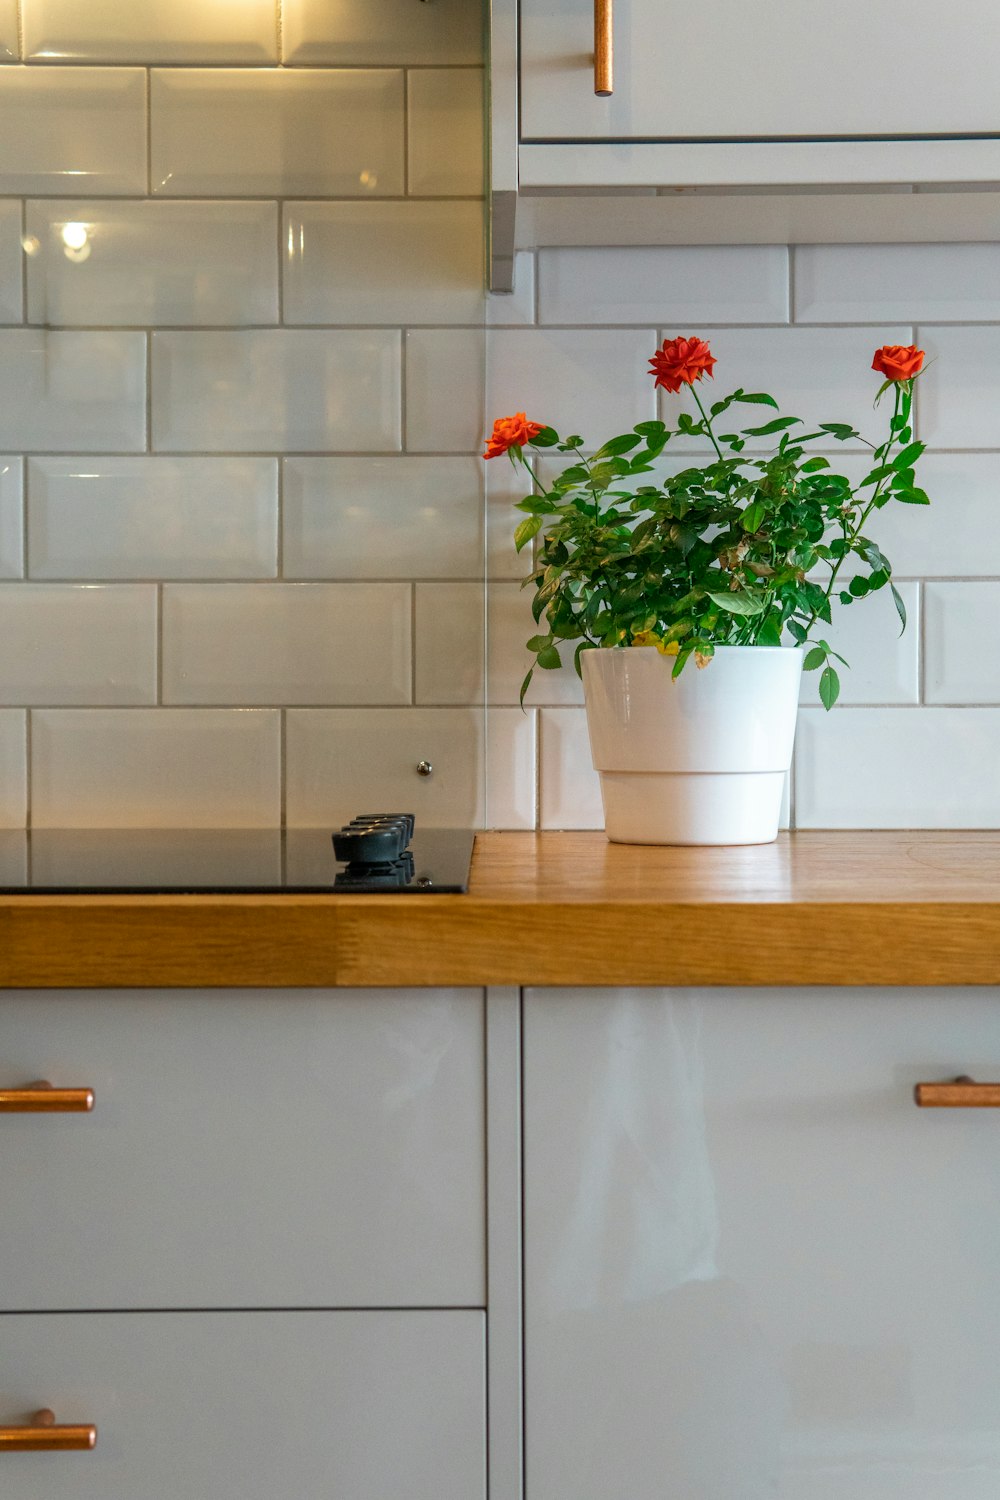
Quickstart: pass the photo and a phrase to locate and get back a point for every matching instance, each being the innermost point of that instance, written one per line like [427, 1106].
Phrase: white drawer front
[250, 1406]
[248, 1149]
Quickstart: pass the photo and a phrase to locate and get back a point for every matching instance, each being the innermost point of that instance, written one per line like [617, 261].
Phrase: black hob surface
[52, 861]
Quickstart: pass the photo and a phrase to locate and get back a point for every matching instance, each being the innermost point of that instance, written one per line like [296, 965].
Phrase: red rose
[511, 432]
[898, 361]
[681, 362]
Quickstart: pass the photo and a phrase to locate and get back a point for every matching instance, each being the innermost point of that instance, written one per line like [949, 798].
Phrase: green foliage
[743, 549]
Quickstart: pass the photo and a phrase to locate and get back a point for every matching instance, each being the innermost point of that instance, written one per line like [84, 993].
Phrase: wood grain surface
[848, 908]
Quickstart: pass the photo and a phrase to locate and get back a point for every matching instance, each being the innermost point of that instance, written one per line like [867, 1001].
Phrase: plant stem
[707, 421]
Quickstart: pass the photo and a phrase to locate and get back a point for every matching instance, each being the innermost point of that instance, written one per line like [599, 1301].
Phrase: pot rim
[758, 650]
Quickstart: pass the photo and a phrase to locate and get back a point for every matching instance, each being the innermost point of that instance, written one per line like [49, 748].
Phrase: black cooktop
[116, 861]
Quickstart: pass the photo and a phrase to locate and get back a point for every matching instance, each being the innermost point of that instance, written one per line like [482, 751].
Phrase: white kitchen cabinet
[249, 1406]
[308, 1148]
[753, 1267]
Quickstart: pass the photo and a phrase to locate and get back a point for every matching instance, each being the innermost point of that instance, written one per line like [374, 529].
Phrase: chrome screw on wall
[424, 768]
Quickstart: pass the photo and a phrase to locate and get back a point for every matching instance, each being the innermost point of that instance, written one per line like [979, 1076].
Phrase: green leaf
[859, 586]
[539, 642]
[777, 425]
[908, 457]
[839, 430]
[547, 438]
[797, 631]
[756, 398]
[549, 658]
[900, 607]
[815, 658]
[528, 528]
[651, 429]
[623, 444]
[812, 464]
[913, 497]
[737, 604]
[829, 688]
[525, 685]
[752, 517]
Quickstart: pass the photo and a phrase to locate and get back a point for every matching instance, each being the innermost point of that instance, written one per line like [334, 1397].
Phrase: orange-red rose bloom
[511, 432]
[681, 362]
[898, 361]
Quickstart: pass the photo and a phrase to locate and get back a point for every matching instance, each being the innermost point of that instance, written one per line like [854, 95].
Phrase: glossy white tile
[278, 643]
[11, 259]
[149, 262]
[958, 395]
[449, 643]
[444, 390]
[510, 624]
[945, 539]
[511, 768]
[587, 381]
[355, 31]
[445, 114]
[336, 133]
[77, 643]
[569, 787]
[406, 261]
[10, 49]
[279, 390]
[152, 517]
[13, 768]
[657, 285]
[517, 308]
[397, 517]
[66, 130]
[338, 759]
[161, 767]
[154, 31]
[818, 374]
[914, 283]
[72, 392]
[963, 643]
[11, 517]
[504, 486]
[897, 768]
[885, 664]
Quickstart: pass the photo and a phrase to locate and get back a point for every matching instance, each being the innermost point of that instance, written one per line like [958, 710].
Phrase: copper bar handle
[42, 1099]
[604, 47]
[958, 1093]
[43, 1434]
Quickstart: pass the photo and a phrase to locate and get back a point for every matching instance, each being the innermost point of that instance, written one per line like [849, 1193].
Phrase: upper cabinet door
[784, 69]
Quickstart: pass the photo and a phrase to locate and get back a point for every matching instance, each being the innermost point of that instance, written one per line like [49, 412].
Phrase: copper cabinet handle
[42, 1099]
[604, 47]
[958, 1093]
[43, 1434]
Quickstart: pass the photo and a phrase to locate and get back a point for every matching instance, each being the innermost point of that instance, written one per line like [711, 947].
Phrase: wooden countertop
[559, 908]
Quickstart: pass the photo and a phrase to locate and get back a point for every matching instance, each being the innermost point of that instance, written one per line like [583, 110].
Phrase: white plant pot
[697, 759]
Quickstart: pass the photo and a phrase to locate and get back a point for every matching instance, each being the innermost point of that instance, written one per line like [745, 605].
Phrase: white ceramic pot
[700, 759]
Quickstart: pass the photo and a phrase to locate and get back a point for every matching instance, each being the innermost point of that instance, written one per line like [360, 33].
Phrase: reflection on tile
[958, 395]
[961, 621]
[149, 517]
[152, 262]
[511, 764]
[284, 390]
[69, 129]
[355, 31]
[13, 853]
[885, 664]
[77, 643]
[253, 131]
[588, 381]
[72, 392]
[445, 105]
[154, 31]
[9, 49]
[162, 767]
[394, 517]
[673, 285]
[11, 258]
[313, 643]
[915, 283]
[343, 260]
[570, 789]
[515, 309]
[444, 390]
[13, 772]
[449, 621]
[11, 517]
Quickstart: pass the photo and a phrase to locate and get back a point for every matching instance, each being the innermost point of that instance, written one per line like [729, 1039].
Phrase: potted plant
[708, 585]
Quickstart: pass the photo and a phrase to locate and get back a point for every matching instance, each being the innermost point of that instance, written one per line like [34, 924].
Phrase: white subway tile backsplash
[511, 768]
[897, 768]
[676, 285]
[445, 114]
[958, 395]
[158, 767]
[444, 390]
[396, 517]
[343, 262]
[278, 390]
[10, 49]
[570, 789]
[11, 258]
[310, 643]
[77, 643]
[515, 309]
[355, 31]
[963, 643]
[504, 486]
[953, 536]
[151, 517]
[449, 643]
[66, 130]
[909, 283]
[588, 381]
[153, 31]
[149, 262]
[72, 392]
[884, 663]
[11, 517]
[510, 624]
[13, 768]
[334, 133]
